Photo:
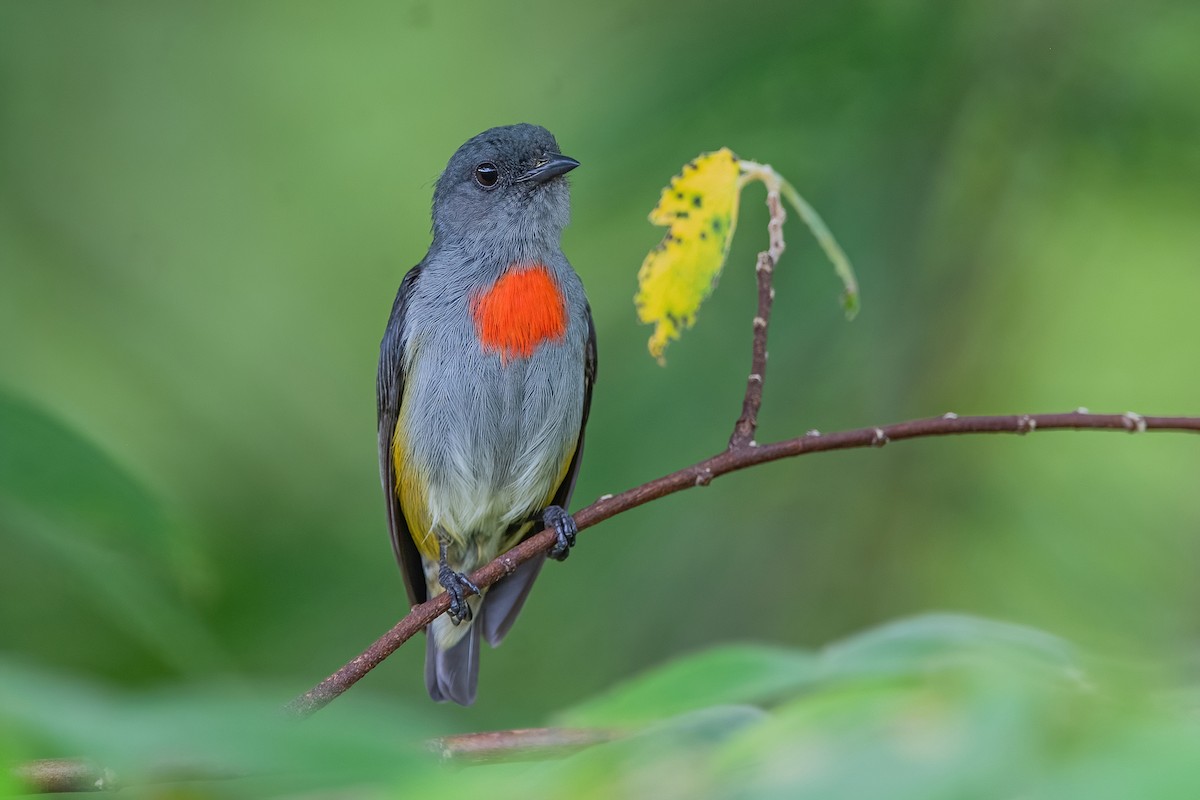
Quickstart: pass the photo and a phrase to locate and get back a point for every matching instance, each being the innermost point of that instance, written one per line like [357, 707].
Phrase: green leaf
[759, 674]
[70, 480]
[98, 530]
[724, 676]
[944, 641]
[214, 731]
[939, 706]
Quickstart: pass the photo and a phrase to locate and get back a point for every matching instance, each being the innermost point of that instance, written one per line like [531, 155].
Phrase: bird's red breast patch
[522, 309]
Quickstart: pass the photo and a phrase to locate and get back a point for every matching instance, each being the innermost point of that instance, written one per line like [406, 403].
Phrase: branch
[701, 474]
[54, 775]
[747, 424]
[518, 745]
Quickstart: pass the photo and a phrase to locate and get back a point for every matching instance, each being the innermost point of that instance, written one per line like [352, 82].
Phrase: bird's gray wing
[389, 393]
[562, 497]
[507, 596]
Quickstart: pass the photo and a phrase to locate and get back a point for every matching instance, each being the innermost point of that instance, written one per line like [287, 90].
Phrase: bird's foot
[457, 585]
[564, 527]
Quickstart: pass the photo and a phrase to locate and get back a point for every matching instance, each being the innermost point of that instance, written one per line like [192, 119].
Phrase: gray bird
[485, 380]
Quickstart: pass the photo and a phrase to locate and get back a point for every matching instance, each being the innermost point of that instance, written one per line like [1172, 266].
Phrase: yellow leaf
[700, 206]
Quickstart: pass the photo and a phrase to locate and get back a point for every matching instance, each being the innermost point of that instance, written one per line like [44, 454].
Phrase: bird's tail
[452, 669]
[452, 673]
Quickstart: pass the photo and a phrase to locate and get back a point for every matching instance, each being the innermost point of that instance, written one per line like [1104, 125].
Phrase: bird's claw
[457, 585]
[564, 528]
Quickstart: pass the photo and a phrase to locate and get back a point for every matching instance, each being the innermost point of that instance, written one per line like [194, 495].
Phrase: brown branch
[701, 474]
[518, 745]
[747, 424]
[52, 775]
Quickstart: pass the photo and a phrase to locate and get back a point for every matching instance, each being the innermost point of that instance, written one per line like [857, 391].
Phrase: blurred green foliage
[205, 210]
[931, 707]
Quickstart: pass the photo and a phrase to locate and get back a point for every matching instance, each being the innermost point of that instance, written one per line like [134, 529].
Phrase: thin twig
[53, 775]
[747, 424]
[518, 745]
[700, 474]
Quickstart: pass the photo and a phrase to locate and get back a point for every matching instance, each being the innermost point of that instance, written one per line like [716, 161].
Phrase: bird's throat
[522, 310]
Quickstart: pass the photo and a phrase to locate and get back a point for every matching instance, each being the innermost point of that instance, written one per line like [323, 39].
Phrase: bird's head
[504, 189]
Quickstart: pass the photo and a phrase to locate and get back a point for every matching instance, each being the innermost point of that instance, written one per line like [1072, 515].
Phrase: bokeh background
[206, 208]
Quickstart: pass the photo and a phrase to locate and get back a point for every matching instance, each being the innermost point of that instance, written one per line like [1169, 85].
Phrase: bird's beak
[551, 166]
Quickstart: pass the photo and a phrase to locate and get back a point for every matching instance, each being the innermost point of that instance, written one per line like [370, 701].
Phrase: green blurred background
[205, 210]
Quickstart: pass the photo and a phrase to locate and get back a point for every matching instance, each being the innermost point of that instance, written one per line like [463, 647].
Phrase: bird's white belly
[492, 444]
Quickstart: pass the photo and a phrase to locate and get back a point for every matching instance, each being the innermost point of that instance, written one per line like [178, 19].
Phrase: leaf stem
[751, 171]
[841, 264]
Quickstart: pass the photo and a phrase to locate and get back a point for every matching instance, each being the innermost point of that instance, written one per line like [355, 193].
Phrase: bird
[483, 390]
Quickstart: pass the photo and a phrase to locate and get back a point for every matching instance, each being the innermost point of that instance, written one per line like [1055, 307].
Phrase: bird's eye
[486, 175]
